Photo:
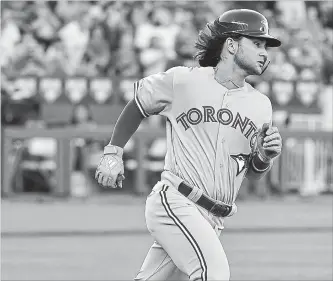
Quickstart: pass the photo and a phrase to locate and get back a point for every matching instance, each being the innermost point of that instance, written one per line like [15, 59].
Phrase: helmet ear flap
[265, 67]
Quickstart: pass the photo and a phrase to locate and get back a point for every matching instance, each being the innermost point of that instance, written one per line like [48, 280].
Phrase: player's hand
[269, 143]
[110, 171]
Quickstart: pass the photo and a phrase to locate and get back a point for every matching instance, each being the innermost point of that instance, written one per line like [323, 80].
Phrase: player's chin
[256, 70]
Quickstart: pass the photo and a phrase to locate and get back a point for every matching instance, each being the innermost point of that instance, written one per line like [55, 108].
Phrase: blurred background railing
[67, 71]
[305, 165]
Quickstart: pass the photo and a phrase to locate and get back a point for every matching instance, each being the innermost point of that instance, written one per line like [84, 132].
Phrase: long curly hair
[211, 40]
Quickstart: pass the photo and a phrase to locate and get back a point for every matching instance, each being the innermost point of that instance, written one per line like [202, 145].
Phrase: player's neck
[228, 76]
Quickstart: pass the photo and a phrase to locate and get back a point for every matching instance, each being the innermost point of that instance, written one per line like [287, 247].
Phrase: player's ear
[232, 45]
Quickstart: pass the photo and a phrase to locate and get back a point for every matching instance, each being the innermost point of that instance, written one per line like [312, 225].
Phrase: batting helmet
[244, 22]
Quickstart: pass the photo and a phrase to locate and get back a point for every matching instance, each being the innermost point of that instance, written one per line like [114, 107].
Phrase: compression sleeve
[126, 125]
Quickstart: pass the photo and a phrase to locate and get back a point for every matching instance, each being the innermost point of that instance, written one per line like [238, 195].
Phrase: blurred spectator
[305, 54]
[308, 74]
[45, 26]
[313, 24]
[87, 68]
[28, 59]
[154, 57]
[10, 36]
[113, 25]
[127, 63]
[22, 11]
[69, 10]
[281, 68]
[56, 58]
[184, 45]
[75, 36]
[326, 104]
[327, 56]
[326, 11]
[293, 13]
[98, 52]
[160, 25]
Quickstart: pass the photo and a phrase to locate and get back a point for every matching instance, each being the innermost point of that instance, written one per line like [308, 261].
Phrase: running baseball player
[219, 130]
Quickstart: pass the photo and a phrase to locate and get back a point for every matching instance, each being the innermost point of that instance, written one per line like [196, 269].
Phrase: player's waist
[197, 195]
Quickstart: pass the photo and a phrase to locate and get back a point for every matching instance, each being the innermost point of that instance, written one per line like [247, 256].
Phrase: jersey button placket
[224, 104]
[227, 104]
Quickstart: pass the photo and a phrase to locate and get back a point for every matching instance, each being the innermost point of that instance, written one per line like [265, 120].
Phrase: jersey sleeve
[154, 94]
[265, 114]
[269, 112]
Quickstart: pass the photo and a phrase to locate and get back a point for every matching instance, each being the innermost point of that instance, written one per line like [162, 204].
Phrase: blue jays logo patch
[241, 161]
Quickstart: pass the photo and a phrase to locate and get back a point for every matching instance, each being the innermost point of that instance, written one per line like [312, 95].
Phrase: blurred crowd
[140, 38]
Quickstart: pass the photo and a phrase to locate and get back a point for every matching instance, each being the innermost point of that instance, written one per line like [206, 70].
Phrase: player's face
[251, 55]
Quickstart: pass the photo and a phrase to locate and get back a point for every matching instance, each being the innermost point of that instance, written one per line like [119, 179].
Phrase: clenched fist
[110, 170]
[269, 143]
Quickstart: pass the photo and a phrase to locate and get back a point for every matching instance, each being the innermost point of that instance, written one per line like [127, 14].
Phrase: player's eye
[261, 45]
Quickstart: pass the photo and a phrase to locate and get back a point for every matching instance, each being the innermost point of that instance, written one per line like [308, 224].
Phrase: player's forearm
[127, 124]
[252, 175]
[257, 168]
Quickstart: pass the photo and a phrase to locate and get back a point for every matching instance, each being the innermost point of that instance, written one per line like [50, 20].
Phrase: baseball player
[219, 130]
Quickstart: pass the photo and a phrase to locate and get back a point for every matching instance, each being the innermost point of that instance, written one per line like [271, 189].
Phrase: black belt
[217, 208]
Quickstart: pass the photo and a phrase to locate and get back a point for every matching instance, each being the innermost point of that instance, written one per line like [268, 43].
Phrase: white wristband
[113, 149]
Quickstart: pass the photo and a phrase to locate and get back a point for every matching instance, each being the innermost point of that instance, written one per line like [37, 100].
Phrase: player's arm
[110, 170]
[126, 125]
[152, 95]
[268, 147]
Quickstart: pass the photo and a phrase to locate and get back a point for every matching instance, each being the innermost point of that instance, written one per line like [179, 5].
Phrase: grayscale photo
[166, 140]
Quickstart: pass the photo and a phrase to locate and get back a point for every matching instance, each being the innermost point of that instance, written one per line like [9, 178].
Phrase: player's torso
[211, 132]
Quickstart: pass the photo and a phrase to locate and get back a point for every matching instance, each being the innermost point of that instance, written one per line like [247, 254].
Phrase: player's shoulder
[184, 72]
[258, 96]
[180, 70]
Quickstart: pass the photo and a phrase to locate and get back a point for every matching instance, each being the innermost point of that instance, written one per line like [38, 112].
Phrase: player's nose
[264, 54]
[263, 57]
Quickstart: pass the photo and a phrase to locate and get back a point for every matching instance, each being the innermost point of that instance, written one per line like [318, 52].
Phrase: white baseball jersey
[210, 130]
